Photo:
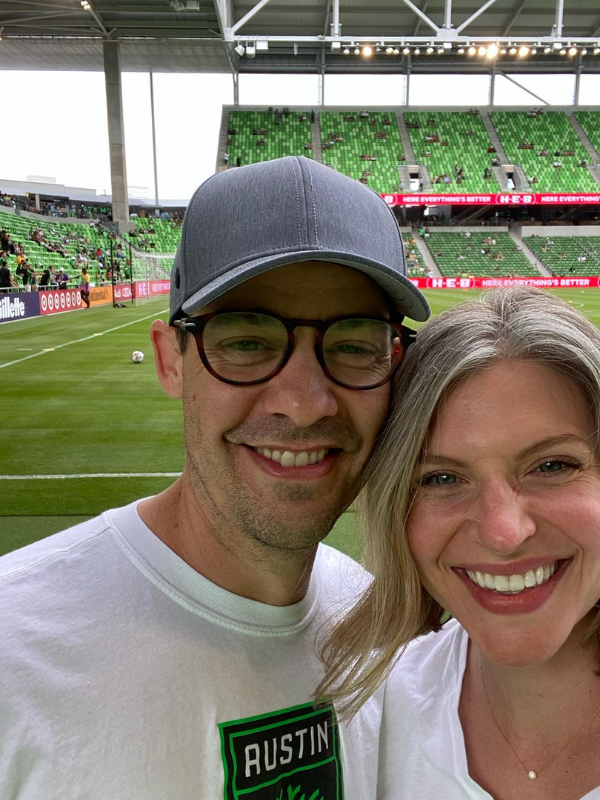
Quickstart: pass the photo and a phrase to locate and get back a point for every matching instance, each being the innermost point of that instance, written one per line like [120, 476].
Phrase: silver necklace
[532, 774]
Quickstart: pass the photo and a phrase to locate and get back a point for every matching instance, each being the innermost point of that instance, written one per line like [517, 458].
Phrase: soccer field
[74, 406]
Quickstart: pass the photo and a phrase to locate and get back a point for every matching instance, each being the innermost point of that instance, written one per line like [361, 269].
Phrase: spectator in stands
[7, 281]
[238, 161]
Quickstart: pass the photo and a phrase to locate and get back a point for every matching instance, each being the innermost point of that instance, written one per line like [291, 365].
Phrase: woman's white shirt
[422, 750]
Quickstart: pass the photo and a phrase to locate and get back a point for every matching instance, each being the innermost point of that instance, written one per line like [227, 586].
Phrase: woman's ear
[168, 358]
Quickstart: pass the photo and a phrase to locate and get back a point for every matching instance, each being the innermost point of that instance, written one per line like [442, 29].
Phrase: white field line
[76, 341]
[90, 475]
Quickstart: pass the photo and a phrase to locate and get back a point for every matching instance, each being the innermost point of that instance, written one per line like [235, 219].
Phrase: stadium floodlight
[429, 50]
[572, 51]
[523, 50]
[346, 51]
[482, 50]
[367, 50]
[583, 52]
[513, 51]
[503, 51]
[240, 49]
[417, 51]
[596, 50]
[563, 52]
[389, 50]
[357, 51]
[440, 51]
[86, 6]
[250, 49]
[396, 51]
[461, 51]
[472, 50]
[493, 51]
[547, 50]
[406, 51]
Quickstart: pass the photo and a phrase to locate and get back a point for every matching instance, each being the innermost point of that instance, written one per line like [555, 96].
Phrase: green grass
[84, 407]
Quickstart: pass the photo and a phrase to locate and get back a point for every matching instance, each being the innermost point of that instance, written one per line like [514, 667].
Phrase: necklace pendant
[532, 774]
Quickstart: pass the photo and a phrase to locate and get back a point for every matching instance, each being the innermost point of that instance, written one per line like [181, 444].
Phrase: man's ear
[168, 358]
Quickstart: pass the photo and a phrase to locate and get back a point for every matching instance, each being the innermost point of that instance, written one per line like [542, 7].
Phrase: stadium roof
[201, 35]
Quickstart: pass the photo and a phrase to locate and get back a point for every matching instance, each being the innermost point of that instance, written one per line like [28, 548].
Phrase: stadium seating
[350, 141]
[165, 238]
[567, 255]
[415, 268]
[549, 132]
[590, 122]
[462, 141]
[457, 254]
[55, 232]
[281, 135]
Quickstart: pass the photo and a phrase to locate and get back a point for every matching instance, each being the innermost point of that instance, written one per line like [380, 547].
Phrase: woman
[483, 500]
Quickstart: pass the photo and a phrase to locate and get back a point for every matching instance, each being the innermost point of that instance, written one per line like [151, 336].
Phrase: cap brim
[407, 299]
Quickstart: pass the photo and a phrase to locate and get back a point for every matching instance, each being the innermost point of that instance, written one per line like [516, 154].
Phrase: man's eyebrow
[543, 444]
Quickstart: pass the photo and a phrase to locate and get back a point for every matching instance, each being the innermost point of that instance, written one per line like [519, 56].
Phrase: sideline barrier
[593, 282]
[19, 306]
[100, 295]
[62, 300]
[512, 199]
[151, 288]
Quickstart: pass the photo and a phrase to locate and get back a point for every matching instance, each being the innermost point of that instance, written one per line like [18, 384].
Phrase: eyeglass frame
[196, 325]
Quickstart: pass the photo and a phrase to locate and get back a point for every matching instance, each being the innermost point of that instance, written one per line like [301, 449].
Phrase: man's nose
[502, 518]
[302, 392]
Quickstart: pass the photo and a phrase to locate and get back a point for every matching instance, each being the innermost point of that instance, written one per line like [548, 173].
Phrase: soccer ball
[137, 356]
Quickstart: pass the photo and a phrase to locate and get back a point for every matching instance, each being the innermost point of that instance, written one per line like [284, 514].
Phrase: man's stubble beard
[234, 507]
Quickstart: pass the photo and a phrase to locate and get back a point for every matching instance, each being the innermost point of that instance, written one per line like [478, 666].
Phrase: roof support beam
[336, 18]
[558, 25]
[420, 14]
[474, 16]
[448, 14]
[525, 89]
[36, 18]
[418, 25]
[597, 31]
[235, 28]
[513, 17]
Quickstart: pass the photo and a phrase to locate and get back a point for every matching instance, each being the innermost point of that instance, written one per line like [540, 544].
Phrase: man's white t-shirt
[126, 675]
[422, 751]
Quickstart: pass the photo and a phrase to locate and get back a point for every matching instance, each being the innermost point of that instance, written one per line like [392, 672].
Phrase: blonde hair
[519, 323]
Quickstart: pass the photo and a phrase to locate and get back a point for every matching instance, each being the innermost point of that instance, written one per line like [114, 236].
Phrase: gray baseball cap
[248, 220]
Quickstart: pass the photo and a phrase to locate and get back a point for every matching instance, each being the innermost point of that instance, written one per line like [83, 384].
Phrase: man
[168, 649]
[84, 286]
[6, 279]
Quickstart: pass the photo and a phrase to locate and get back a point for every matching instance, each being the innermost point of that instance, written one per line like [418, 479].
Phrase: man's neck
[224, 555]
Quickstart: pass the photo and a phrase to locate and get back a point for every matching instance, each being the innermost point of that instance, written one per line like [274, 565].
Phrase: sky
[63, 134]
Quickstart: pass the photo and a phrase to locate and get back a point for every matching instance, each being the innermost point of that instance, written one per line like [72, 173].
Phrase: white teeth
[530, 579]
[289, 459]
[512, 584]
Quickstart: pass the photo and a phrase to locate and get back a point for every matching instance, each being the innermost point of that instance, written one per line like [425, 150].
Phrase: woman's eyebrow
[429, 458]
[553, 441]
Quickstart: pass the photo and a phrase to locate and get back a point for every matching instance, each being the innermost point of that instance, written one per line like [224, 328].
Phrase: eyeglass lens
[247, 346]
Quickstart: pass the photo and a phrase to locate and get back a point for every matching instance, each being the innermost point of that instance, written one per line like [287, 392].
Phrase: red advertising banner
[512, 199]
[56, 301]
[122, 291]
[149, 288]
[592, 282]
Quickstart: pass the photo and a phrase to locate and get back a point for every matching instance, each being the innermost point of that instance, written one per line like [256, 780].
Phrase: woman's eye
[439, 479]
[556, 466]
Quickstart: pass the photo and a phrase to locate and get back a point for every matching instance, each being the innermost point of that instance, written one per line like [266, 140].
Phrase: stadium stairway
[428, 259]
[315, 132]
[516, 235]
[591, 150]
[426, 178]
[500, 174]
[494, 139]
[405, 139]
[404, 173]
[520, 179]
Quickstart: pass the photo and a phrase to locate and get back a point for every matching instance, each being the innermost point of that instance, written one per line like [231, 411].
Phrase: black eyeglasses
[245, 348]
